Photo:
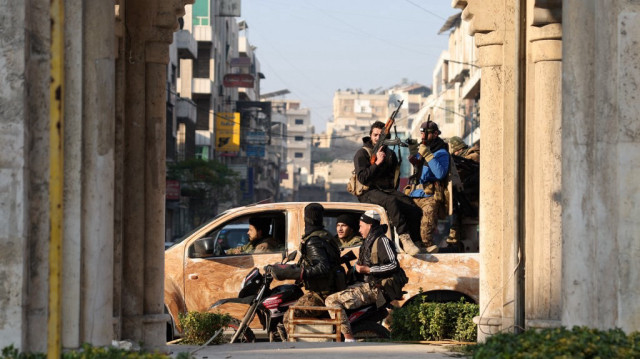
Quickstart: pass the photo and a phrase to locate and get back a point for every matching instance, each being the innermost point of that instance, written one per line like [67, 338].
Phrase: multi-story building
[298, 146]
[454, 104]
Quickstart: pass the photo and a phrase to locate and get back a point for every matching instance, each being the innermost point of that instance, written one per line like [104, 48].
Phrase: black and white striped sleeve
[387, 260]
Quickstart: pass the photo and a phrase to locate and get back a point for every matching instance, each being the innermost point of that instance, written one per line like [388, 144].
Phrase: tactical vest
[336, 280]
[391, 286]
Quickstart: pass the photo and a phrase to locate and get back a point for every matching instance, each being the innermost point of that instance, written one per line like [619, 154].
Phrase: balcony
[186, 44]
[298, 145]
[203, 138]
[201, 86]
[202, 33]
[185, 108]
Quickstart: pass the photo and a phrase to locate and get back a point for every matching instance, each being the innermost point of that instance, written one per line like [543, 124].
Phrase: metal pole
[56, 177]
[519, 133]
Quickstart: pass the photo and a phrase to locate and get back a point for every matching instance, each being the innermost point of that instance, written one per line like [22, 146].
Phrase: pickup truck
[198, 272]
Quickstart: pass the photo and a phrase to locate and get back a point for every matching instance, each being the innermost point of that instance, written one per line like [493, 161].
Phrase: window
[228, 239]
[299, 121]
[299, 155]
[200, 12]
[299, 138]
[448, 112]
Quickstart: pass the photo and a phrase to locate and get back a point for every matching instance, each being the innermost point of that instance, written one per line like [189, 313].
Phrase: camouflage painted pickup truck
[198, 272]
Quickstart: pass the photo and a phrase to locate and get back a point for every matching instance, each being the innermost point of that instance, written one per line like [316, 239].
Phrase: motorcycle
[270, 304]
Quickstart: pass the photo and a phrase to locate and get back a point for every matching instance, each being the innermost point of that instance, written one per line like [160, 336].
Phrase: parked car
[198, 272]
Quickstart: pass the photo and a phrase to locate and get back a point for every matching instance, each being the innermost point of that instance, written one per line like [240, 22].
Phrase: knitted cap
[347, 219]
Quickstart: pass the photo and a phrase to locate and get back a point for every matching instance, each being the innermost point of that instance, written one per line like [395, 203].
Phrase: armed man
[319, 266]
[381, 179]
[432, 160]
[466, 160]
[383, 276]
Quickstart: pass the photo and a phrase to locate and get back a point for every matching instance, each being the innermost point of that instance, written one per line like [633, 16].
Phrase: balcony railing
[202, 33]
[202, 86]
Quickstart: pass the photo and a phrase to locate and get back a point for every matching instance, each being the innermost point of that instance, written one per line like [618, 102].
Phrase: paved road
[299, 350]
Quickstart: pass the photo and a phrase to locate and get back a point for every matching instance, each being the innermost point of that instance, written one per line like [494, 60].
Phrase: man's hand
[363, 269]
[425, 153]
[286, 271]
[380, 155]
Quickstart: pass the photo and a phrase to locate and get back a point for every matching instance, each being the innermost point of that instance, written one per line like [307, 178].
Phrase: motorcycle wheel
[248, 336]
[369, 330]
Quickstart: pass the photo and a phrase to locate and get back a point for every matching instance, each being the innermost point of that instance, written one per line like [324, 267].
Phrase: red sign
[238, 80]
[173, 190]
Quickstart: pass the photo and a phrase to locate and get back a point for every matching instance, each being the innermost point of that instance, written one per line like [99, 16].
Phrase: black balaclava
[313, 215]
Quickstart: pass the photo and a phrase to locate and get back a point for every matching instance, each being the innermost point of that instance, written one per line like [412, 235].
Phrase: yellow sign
[228, 131]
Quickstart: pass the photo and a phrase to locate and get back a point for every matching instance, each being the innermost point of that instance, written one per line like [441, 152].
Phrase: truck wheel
[367, 330]
[248, 336]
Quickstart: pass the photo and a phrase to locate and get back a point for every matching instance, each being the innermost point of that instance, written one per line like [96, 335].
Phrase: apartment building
[455, 102]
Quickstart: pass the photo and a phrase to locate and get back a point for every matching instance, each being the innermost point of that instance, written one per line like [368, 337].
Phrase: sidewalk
[299, 350]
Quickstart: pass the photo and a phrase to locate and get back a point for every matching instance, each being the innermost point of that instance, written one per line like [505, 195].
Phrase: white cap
[370, 216]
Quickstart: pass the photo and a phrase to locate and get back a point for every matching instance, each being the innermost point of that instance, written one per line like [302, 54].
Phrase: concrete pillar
[98, 172]
[543, 149]
[73, 161]
[14, 176]
[151, 25]
[601, 164]
[492, 23]
[36, 120]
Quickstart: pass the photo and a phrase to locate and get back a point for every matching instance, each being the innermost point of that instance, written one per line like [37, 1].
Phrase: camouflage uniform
[470, 153]
[355, 296]
[264, 245]
[429, 221]
[353, 240]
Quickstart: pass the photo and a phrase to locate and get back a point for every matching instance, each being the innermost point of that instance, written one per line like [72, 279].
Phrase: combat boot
[407, 245]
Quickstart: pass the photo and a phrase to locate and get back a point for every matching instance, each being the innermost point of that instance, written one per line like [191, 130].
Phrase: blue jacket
[435, 170]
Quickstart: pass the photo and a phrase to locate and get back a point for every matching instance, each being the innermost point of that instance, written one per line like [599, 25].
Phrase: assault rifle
[385, 133]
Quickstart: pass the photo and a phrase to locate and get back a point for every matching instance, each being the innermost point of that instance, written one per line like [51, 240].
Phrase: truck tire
[367, 330]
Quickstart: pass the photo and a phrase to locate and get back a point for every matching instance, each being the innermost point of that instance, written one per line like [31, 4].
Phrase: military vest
[391, 286]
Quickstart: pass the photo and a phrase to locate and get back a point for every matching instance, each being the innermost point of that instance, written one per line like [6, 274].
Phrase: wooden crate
[306, 329]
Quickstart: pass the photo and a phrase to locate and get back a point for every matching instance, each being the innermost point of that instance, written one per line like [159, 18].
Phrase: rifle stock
[385, 133]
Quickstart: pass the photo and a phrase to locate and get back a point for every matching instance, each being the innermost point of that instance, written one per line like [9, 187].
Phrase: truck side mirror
[201, 248]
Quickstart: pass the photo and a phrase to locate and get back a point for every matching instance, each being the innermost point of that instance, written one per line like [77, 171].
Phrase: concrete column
[14, 176]
[73, 162]
[150, 25]
[121, 94]
[36, 116]
[601, 164]
[492, 23]
[98, 172]
[543, 213]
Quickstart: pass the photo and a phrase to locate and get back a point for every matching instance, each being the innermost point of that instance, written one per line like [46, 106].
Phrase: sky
[314, 48]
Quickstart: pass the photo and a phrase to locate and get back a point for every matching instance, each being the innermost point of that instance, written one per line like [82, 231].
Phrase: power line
[423, 9]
